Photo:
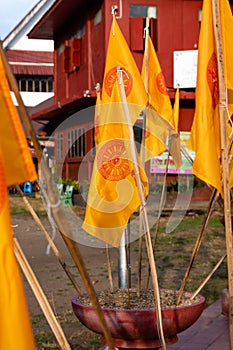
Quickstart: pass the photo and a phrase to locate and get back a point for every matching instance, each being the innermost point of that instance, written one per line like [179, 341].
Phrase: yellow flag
[97, 115]
[159, 115]
[16, 166]
[119, 55]
[157, 90]
[205, 132]
[227, 29]
[176, 110]
[16, 156]
[113, 194]
[15, 327]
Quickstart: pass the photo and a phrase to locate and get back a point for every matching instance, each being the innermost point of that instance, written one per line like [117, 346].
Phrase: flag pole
[224, 158]
[212, 202]
[143, 211]
[208, 277]
[146, 33]
[50, 241]
[122, 261]
[40, 296]
[56, 207]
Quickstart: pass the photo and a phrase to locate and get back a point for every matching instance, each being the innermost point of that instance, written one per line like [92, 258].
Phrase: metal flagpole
[123, 260]
[143, 212]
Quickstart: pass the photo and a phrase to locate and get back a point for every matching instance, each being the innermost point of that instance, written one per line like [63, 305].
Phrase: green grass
[173, 252]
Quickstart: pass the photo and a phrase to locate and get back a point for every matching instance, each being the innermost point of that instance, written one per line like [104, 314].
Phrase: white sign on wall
[185, 68]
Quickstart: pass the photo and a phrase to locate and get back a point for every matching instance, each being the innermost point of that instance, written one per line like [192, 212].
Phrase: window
[98, 17]
[143, 11]
[60, 146]
[138, 15]
[137, 128]
[199, 20]
[30, 85]
[93, 140]
[35, 83]
[73, 51]
[67, 58]
[76, 52]
[76, 143]
[22, 83]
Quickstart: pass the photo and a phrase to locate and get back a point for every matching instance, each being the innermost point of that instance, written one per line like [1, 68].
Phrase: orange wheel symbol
[111, 77]
[112, 161]
[161, 83]
[212, 78]
[2, 187]
[147, 133]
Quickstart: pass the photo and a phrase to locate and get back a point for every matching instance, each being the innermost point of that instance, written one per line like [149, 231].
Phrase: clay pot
[136, 329]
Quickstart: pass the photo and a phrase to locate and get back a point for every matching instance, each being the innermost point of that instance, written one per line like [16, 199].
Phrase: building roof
[30, 57]
[63, 13]
[57, 114]
[42, 57]
[25, 25]
[31, 62]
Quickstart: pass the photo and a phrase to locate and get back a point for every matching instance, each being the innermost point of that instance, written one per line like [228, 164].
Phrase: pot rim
[201, 300]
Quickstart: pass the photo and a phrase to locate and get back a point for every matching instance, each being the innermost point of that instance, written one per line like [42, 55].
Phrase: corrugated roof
[32, 69]
[29, 56]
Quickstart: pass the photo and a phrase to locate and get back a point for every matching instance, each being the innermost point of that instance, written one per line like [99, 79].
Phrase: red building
[80, 31]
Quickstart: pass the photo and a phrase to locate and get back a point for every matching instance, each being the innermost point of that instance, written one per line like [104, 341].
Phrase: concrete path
[209, 332]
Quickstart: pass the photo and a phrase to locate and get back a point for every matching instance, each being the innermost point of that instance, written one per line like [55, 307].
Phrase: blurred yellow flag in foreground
[16, 166]
[16, 157]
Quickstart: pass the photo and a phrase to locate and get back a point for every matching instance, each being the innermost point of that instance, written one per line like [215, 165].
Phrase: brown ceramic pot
[136, 329]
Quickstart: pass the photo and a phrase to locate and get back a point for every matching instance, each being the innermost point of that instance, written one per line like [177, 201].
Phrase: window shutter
[76, 52]
[136, 33]
[154, 32]
[137, 26]
[67, 59]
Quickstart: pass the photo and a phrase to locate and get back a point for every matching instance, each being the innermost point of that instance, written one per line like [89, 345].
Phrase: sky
[12, 12]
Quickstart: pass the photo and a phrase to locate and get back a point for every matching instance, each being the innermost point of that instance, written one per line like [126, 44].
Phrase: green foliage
[37, 318]
[175, 185]
[69, 182]
[198, 183]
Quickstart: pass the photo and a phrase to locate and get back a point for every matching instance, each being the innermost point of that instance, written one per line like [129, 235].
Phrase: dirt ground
[59, 289]
[55, 283]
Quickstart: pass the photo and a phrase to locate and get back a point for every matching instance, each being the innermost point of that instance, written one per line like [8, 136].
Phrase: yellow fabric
[113, 195]
[97, 116]
[176, 110]
[16, 156]
[205, 132]
[159, 115]
[227, 30]
[15, 327]
[119, 55]
[157, 90]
